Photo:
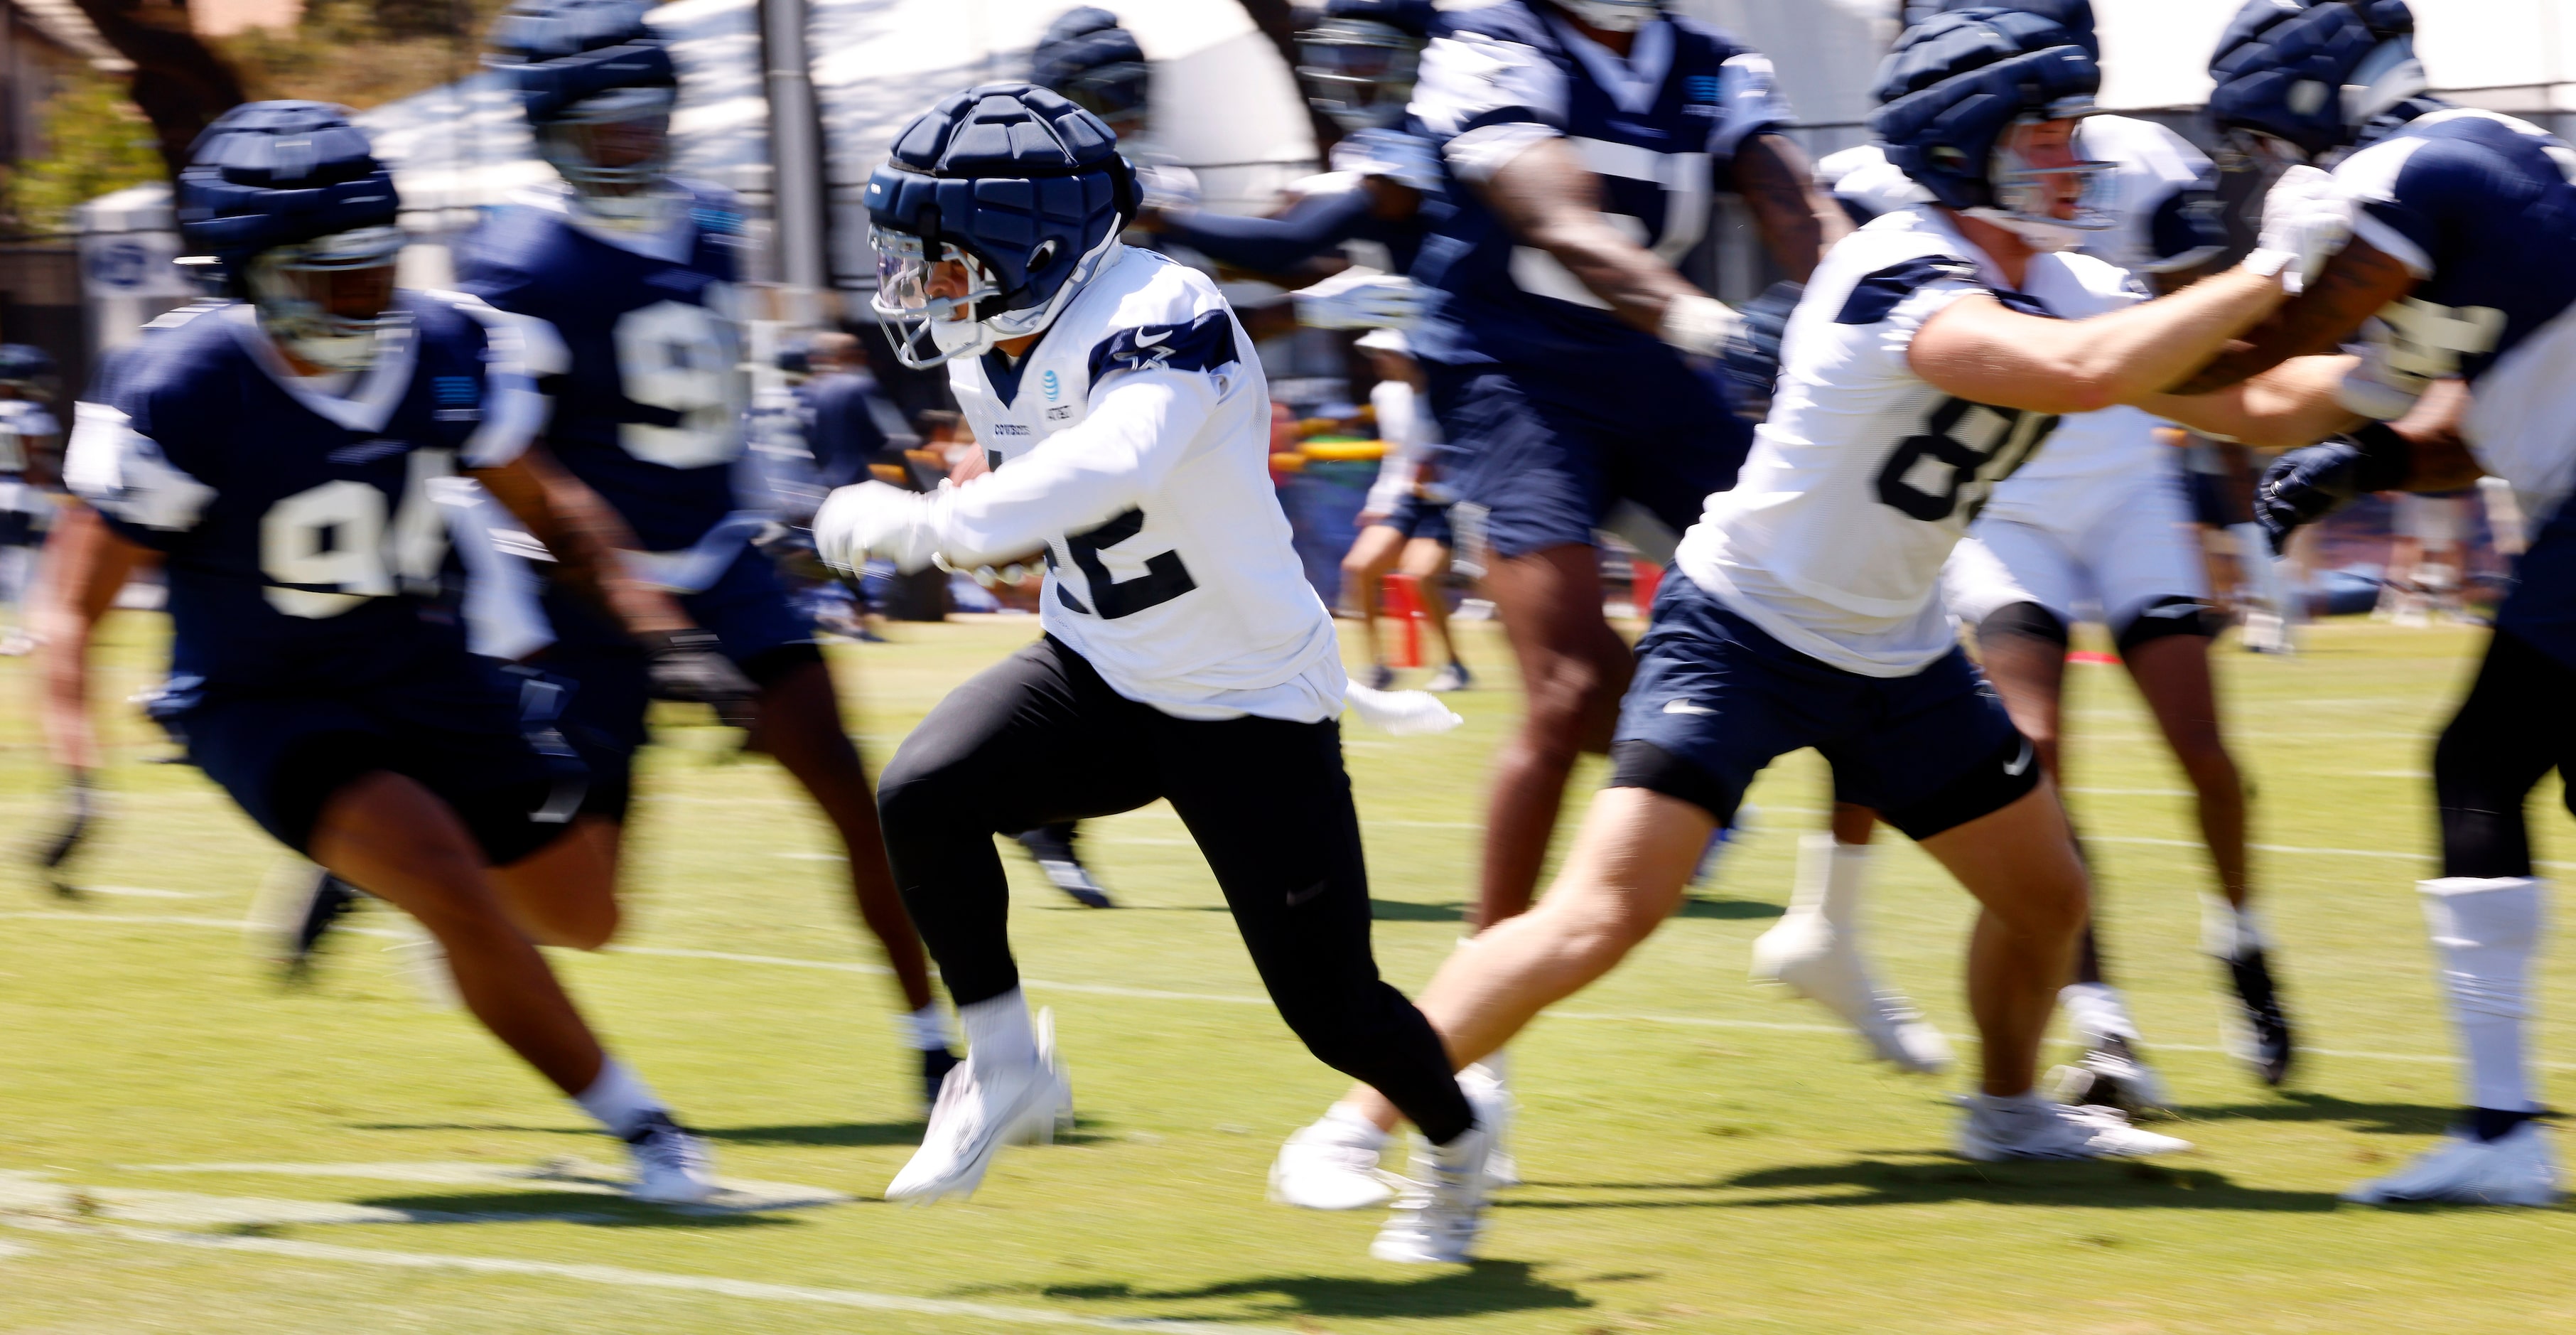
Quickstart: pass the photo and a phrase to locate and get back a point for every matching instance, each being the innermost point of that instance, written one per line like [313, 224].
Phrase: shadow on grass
[1697, 907]
[501, 1207]
[2097, 1184]
[2383, 1119]
[1482, 1288]
[1401, 910]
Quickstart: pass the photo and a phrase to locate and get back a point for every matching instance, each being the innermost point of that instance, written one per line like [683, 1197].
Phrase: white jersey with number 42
[1866, 475]
[1169, 566]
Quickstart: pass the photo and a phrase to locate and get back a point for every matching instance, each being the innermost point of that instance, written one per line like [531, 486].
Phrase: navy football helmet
[1614, 15]
[288, 202]
[26, 370]
[597, 84]
[1358, 63]
[2075, 16]
[2300, 80]
[1950, 95]
[998, 204]
[1086, 55]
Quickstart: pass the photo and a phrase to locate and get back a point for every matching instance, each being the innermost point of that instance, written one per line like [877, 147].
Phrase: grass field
[186, 1146]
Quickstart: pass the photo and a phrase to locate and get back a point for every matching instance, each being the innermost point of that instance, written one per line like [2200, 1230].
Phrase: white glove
[1164, 188]
[873, 519]
[2307, 218]
[1698, 325]
[1404, 713]
[1360, 299]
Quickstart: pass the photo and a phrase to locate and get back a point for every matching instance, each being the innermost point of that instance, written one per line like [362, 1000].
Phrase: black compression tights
[2516, 726]
[1039, 737]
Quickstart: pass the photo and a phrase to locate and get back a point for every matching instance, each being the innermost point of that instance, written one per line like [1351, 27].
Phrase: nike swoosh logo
[1143, 341]
[2020, 762]
[1685, 707]
[1297, 897]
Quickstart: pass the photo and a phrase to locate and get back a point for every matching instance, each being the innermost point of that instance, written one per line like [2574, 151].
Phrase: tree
[96, 141]
[179, 82]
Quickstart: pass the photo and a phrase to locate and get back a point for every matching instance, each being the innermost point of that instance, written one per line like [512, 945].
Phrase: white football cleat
[2030, 1127]
[1331, 1164]
[983, 1106]
[2111, 1074]
[1441, 1212]
[672, 1167]
[2514, 1169]
[1804, 953]
[1491, 1094]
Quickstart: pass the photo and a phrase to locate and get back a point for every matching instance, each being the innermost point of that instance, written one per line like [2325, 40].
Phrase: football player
[628, 275]
[2099, 517]
[1185, 656]
[30, 440]
[1930, 354]
[1570, 367]
[2461, 272]
[288, 453]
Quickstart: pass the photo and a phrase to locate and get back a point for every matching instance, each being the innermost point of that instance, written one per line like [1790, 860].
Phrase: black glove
[2309, 484]
[78, 809]
[691, 665]
[1751, 358]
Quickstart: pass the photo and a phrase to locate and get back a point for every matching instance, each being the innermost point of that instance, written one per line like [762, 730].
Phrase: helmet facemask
[928, 306]
[328, 299]
[1358, 71]
[1615, 15]
[2390, 74]
[613, 148]
[2029, 196]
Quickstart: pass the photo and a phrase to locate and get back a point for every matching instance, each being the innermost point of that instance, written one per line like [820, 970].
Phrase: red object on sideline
[1646, 577]
[2089, 656]
[1404, 603]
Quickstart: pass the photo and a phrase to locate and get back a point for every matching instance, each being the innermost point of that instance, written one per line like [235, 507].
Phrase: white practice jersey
[1865, 476]
[22, 423]
[1412, 436]
[1133, 443]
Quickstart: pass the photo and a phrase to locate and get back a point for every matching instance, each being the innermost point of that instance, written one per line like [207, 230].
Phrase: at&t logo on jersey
[1053, 385]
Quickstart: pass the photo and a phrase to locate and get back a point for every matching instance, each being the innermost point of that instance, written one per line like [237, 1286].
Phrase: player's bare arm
[1797, 220]
[587, 538]
[1548, 199]
[2354, 286]
[1980, 351]
[86, 564]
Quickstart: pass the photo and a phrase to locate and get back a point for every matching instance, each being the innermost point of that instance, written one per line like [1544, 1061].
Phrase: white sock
[1348, 1116]
[619, 1099]
[998, 1031]
[2096, 1012]
[1497, 1065]
[927, 1028]
[2228, 932]
[2485, 932]
[1829, 880]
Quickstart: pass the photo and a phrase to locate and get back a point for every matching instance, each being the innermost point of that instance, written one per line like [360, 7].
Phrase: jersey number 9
[1966, 448]
[682, 358]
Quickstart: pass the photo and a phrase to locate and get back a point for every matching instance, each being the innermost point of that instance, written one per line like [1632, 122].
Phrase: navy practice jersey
[1660, 129]
[304, 534]
[649, 400]
[2482, 209]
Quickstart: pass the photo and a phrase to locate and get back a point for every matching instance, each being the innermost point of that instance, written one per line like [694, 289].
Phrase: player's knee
[1572, 688]
[2024, 620]
[579, 923]
[914, 795]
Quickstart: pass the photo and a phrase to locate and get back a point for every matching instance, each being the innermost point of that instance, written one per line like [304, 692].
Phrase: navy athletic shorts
[1548, 455]
[610, 681]
[2540, 608]
[477, 735]
[1415, 517]
[1716, 699]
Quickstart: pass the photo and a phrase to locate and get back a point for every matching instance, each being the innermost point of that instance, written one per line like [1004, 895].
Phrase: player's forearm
[1079, 478]
[1546, 198]
[2129, 356]
[85, 566]
[2291, 405]
[1797, 220]
[2354, 285]
[589, 541]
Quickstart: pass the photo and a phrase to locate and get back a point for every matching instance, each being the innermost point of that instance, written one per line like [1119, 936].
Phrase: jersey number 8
[325, 549]
[682, 358]
[1966, 449]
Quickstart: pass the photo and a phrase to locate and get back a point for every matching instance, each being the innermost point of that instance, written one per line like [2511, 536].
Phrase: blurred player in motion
[2461, 272]
[1931, 354]
[2099, 518]
[30, 449]
[1185, 656]
[627, 276]
[1404, 523]
[1582, 143]
[287, 453]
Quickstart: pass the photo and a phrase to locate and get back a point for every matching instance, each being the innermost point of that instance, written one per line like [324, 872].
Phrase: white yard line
[623, 1277]
[1226, 999]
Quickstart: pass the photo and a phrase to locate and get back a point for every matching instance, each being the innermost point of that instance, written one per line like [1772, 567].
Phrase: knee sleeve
[2029, 619]
[2172, 614]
